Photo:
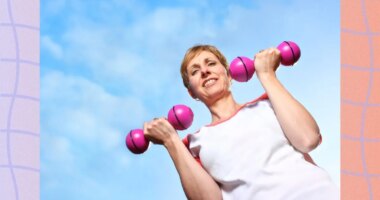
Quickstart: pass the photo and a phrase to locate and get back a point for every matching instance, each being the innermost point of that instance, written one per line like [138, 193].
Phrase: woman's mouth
[209, 82]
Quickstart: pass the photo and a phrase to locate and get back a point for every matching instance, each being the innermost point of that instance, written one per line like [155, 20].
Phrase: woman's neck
[223, 108]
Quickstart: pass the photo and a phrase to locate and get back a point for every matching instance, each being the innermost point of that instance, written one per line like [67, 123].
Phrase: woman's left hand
[267, 61]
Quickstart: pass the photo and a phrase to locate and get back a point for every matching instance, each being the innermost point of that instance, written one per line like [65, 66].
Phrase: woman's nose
[205, 72]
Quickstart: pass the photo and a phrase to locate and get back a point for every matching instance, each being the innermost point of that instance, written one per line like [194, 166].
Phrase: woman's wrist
[171, 141]
[266, 76]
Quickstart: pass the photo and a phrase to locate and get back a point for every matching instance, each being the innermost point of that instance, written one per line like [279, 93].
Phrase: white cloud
[51, 46]
[61, 147]
[83, 127]
[146, 53]
[83, 113]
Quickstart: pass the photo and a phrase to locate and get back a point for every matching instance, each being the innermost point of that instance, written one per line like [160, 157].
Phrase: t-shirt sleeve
[186, 142]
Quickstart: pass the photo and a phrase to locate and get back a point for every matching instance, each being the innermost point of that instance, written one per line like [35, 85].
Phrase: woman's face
[208, 78]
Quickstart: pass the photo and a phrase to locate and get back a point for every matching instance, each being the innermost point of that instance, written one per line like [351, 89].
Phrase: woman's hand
[267, 62]
[159, 131]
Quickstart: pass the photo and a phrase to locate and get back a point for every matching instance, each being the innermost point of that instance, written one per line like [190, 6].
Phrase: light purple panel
[19, 100]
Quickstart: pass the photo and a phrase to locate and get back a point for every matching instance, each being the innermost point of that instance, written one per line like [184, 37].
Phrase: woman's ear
[229, 77]
[228, 73]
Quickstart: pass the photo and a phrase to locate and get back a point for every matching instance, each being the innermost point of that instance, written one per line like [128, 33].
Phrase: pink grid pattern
[360, 99]
[19, 100]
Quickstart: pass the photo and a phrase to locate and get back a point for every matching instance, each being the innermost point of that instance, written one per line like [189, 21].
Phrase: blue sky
[108, 66]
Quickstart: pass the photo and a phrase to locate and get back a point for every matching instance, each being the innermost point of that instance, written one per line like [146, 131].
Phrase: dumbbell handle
[179, 116]
[243, 68]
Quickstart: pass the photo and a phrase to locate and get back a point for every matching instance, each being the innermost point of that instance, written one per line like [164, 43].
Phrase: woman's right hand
[160, 131]
[196, 182]
[266, 62]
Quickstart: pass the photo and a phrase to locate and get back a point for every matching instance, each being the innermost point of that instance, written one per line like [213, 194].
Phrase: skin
[298, 125]
[215, 95]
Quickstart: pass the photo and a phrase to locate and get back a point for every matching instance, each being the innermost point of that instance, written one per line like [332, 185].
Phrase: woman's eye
[194, 72]
[211, 63]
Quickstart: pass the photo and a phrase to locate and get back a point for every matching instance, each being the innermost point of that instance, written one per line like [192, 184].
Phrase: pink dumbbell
[179, 116]
[243, 68]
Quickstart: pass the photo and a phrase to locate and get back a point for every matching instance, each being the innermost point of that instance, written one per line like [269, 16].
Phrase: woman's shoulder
[260, 98]
[263, 99]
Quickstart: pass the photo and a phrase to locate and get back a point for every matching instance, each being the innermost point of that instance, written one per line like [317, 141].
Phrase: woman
[256, 150]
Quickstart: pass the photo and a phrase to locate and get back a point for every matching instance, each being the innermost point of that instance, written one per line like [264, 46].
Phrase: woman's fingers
[157, 130]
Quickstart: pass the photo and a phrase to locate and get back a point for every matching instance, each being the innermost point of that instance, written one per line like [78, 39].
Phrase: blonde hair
[196, 50]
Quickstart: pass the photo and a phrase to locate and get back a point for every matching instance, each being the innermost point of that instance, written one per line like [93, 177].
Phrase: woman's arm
[297, 123]
[196, 182]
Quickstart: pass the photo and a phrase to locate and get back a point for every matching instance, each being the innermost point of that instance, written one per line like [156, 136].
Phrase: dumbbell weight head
[136, 141]
[180, 117]
[290, 53]
[242, 69]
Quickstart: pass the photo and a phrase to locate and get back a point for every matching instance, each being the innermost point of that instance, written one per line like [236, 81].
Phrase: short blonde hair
[196, 50]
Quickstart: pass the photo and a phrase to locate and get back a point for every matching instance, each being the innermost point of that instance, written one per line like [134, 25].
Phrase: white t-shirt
[250, 157]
